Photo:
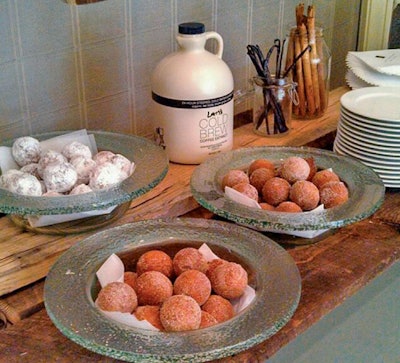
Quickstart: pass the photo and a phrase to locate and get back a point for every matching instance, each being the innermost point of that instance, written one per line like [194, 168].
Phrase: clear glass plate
[71, 287]
[366, 190]
[151, 167]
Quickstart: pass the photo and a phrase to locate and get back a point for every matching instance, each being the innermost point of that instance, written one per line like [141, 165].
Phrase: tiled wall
[67, 67]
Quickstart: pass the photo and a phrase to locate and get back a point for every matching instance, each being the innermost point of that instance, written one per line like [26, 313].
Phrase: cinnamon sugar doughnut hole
[151, 313]
[207, 320]
[180, 313]
[305, 194]
[153, 288]
[189, 258]
[213, 264]
[294, 168]
[288, 207]
[130, 278]
[275, 190]
[313, 167]
[333, 194]
[259, 176]
[155, 260]
[220, 308]
[260, 163]
[266, 206]
[117, 296]
[233, 177]
[247, 189]
[324, 176]
[193, 283]
[229, 280]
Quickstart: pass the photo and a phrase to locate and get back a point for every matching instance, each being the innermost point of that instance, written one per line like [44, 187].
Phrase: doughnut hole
[294, 168]
[288, 207]
[334, 194]
[324, 176]
[275, 191]
[117, 296]
[259, 177]
[247, 189]
[195, 284]
[233, 177]
[220, 308]
[155, 260]
[180, 313]
[305, 194]
[153, 288]
[260, 163]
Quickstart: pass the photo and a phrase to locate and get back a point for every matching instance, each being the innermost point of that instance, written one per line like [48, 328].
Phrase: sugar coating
[275, 190]
[24, 184]
[189, 258]
[104, 176]
[8, 176]
[247, 189]
[305, 194]
[124, 164]
[103, 157]
[294, 168]
[233, 177]
[60, 177]
[31, 168]
[26, 150]
[117, 296]
[80, 189]
[220, 308]
[153, 288]
[180, 313]
[47, 158]
[333, 194]
[193, 283]
[84, 167]
[76, 148]
[207, 320]
[229, 280]
[155, 260]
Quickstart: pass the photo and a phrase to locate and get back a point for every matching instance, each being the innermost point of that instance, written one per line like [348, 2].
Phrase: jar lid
[191, 28]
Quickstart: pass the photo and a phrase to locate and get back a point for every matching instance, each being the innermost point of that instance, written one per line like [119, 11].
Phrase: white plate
[356, 145]
[383, 124]
[381, 103]
[370, 138]
[393, 134]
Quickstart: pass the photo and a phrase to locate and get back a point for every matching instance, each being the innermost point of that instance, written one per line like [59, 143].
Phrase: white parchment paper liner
[113, 270]
[57, 144]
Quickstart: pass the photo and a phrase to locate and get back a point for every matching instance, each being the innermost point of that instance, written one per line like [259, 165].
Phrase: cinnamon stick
[323, 94]
[301, 108]
[308, 84]
[314, 57]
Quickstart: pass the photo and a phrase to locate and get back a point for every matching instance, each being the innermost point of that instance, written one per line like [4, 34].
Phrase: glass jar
[272, 105]
[311, 71]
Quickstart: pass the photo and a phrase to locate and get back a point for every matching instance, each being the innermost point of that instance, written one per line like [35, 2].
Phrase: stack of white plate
[369, 130]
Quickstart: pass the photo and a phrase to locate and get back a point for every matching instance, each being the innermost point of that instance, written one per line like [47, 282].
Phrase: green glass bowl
[366, 190]
[71, 288]
[151, 167]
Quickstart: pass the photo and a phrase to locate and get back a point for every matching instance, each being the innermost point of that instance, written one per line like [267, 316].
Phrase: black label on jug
[192, 104]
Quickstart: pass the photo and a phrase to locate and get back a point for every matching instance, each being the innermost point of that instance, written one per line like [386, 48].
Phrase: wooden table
[332, 269]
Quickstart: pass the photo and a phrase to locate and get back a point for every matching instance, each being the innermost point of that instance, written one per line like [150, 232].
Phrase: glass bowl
[151, 167]
[71, 287]
[366, 190]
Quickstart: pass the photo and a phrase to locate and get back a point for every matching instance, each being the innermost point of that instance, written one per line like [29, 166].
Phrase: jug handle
[220, 42]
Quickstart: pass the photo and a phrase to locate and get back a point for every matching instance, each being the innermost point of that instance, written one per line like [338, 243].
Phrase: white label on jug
[193, 130]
